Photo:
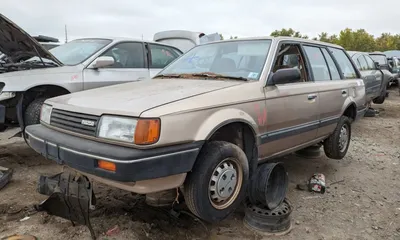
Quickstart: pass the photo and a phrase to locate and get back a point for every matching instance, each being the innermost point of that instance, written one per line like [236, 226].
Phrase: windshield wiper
[205, 75]
[170, 76]
[214, 75]
[34, 62]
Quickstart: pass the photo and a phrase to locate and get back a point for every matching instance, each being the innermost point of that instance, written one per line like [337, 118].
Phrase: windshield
[76, 51]
[232, 58]
[381, 59]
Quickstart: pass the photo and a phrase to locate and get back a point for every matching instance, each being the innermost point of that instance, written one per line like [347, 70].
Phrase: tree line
[355, 40]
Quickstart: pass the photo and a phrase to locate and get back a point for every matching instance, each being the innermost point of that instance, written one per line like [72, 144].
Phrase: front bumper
[131, 164]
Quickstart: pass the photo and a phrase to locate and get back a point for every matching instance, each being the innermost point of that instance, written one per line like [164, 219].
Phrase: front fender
[70, 78]
[223, 117]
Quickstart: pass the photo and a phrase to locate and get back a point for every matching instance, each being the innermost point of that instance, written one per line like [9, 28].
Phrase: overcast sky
[132, 18]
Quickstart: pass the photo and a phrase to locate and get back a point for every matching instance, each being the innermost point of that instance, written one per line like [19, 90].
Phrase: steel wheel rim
[343, 138]
[225, 183]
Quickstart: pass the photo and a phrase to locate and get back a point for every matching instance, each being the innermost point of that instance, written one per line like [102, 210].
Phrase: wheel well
[351, 111]
[43, 91]
[243, 136]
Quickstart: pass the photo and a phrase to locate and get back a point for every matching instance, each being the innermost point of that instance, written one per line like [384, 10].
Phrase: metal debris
[71, 197]
[5, 176]
[317, 183]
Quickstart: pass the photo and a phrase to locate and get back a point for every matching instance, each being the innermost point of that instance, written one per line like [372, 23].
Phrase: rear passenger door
[160, 56]
[376, 84]
[367, 75]
[328, 81]
[129, 65]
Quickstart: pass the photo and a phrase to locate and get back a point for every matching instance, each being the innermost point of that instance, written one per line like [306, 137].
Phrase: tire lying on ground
[218, 182]
[32, 112]
[269, 185]
[310, 152]
[258, 218]
[337, 144]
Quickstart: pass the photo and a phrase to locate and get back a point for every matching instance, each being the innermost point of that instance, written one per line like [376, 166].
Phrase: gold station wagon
[207, 120]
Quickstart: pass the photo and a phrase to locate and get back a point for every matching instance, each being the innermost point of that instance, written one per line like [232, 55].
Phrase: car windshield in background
[381, 59]
[49, 46]
[76, 51]
[392, 53]
[236, 59]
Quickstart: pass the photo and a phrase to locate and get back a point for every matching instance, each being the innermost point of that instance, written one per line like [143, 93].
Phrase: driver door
[129, 65]
[292, 108]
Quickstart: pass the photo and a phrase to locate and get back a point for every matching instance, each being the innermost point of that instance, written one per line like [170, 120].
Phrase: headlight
[6, 95]
[142, 131]
[45, 113]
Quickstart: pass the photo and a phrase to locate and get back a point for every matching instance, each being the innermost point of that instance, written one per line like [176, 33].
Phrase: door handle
[311, 96]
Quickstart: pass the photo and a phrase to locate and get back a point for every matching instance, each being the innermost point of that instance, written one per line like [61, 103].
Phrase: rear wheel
[32, 112]
[218, 182]
[337, 144]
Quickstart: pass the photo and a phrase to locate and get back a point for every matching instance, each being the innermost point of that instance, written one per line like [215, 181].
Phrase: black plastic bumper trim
[131, 164]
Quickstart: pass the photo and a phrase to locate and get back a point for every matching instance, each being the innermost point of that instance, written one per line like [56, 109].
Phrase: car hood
[16, 43]
[132, 99]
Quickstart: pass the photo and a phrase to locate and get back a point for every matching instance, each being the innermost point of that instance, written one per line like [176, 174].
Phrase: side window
[363, 64]
[291, 56]
[318, 63]
[370, 62]
[331, 64]
[126, 55]
[344, 62]
[161, 56]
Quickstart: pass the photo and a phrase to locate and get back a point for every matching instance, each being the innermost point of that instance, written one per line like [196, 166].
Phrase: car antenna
[44, 64]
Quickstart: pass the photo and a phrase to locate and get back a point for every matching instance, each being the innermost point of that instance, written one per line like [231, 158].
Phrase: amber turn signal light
[109, 166]
[147, 131]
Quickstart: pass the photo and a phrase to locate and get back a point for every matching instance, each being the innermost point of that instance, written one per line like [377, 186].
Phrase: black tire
[198, 182]
[269, 185]
[332, 143]
[32, 112]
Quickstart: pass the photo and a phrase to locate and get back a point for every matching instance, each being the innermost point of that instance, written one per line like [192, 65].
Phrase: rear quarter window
[346, 67]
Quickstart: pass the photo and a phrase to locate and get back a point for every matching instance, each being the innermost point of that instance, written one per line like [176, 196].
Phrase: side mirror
[287, 75]
[103, 61]
[377, 65]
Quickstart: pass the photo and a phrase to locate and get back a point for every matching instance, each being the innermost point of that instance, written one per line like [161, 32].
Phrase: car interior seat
[223, 65]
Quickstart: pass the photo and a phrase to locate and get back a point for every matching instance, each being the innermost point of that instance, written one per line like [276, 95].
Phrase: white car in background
[185, 40]
[74, 66]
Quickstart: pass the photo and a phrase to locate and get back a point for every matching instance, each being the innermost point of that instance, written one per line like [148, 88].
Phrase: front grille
[72, 121]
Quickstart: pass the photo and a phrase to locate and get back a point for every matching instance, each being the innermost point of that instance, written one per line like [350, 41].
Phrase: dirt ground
[362, 200]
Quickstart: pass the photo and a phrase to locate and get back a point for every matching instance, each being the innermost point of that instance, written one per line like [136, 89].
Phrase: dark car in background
[381, 59]
[394, 64]
[383, 63]
[375, 79]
